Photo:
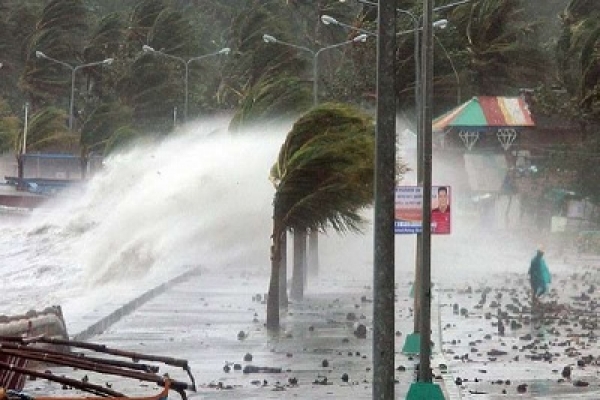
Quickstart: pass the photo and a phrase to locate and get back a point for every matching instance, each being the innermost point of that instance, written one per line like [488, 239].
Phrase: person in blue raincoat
[539, 275]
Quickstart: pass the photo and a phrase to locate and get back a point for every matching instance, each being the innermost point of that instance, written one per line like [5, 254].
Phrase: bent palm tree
[323, 177]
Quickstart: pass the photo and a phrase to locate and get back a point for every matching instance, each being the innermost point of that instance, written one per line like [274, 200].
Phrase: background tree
[574, 96]
[499, 42]
[60, 33]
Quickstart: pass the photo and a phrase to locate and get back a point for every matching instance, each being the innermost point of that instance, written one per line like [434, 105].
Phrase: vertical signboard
[409, 208]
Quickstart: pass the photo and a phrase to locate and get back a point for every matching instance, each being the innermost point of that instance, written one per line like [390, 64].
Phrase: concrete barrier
[48, 322]
[106, 322]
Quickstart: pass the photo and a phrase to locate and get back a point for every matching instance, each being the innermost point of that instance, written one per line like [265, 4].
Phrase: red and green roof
[487, 111]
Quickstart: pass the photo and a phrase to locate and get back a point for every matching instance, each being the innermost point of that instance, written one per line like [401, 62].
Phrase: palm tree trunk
[283, 299]
[273, 297]
[313, 253]
[297, 292]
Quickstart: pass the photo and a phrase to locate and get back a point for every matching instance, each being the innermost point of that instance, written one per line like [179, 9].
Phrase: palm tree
[578, 56]
[46, 131]
[10, 126]
[60, 33]
[323, 178]
[98, 127]
[501, 53]
[273, 98]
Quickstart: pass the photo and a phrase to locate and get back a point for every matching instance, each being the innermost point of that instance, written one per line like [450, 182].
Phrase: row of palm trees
[323, 178]
[491, 43]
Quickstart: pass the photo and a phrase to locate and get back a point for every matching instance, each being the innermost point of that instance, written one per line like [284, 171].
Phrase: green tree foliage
[275, 99]
[323, 177]
[121, 138]
[47, 130]
[10, 126]
[574, 94]
[579, 57]
[17, 23]
[101, 123]
[60, 34]
[492, 45]
[501, 53]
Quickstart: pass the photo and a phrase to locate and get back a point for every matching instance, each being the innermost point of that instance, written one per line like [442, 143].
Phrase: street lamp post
[412, 341]
[186, 64]
[315, 56]
[74, 70]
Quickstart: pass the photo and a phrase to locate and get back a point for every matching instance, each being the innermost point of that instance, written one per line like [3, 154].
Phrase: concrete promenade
[216, 320]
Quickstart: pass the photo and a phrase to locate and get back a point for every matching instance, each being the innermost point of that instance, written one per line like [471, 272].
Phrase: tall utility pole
[427, 98]
[425, 389]
[385, 175]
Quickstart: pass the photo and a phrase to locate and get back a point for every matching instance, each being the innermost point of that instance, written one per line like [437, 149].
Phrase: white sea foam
[201, 197]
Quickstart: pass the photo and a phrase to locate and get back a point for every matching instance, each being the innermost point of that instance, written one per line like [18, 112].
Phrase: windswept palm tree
[323, 178]
[98, 127]
[501, 54]
[579, 57]
[46, 130]
[60, 33]
[273, 98]
[10, 126]
[578, 67]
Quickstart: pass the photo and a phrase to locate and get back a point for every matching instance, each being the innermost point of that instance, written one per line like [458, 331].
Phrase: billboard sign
[409, 208]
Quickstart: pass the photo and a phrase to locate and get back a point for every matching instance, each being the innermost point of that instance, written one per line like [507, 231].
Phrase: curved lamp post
[315, 54]
[73, 69]
[186, 63]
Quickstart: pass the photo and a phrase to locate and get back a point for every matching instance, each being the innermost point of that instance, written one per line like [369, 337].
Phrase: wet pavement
[217, 322]
[498, 348]
[495, 347]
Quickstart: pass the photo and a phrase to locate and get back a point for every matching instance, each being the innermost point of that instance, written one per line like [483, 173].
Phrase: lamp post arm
[90, 64]
[451, 5]
[311, 51]
[216, 53]
[64, 64]
[329, 20]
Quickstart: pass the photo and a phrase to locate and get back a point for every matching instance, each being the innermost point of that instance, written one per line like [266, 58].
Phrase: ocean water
[202, 197]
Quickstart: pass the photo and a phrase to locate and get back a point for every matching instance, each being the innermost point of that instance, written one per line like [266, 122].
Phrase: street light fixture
[384, 203]
[315, 54]
[186, 63]
[73, 69]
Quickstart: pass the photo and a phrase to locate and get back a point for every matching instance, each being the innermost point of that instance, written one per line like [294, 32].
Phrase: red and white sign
[409, 209]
